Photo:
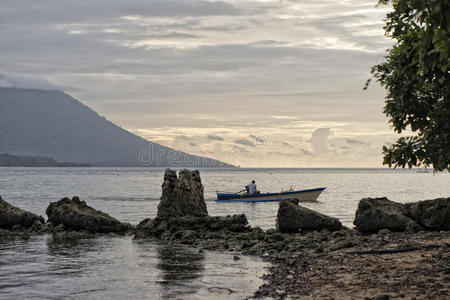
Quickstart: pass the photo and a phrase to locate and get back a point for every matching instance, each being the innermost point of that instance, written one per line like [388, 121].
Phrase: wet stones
[165, 227]
[430, 214]
[73, 214]
[374, 214]
[14, 218]
[293, 218]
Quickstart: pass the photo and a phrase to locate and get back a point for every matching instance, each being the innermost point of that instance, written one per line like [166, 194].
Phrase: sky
[255, 83]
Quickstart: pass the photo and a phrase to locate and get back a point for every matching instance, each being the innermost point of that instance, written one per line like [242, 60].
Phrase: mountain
[51, 123]
[7, 160]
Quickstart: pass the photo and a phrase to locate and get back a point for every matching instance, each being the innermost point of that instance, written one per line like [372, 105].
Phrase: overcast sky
[274, 83]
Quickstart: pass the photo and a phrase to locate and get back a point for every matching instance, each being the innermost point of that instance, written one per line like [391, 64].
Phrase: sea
[116, 267]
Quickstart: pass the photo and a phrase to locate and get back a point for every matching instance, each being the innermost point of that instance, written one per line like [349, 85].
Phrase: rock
[182, 196]
[258, 233]
[14, 217]
[271, 231]
[274, 237]
[374, 214]
[235, 223]
[159, 226]
[430, 214]
[343, 243]
[293, 218]
[295, 201]
[259, 247]
[77, 215]
[187, 237]
[39, 226]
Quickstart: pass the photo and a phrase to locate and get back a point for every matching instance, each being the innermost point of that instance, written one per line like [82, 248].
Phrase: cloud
[244, 142]
[25, 81]
[171, 66]
[302, 152]
[176, 35]
[214, 137]
[50, 11]
[319, 140]
[356, 142]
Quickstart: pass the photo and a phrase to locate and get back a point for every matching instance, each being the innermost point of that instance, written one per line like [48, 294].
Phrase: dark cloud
[349, 29]
[244, 142]
[356, 142]
[303, 152]
[51, 11]
[183, 137]
[214, 137]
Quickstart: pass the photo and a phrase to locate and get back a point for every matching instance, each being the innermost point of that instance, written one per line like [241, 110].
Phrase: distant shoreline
[30, 161]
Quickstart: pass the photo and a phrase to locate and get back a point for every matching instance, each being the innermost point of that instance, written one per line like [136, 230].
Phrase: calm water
[121, 267]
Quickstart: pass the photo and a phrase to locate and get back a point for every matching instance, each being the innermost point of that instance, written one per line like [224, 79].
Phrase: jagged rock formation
[182, 196]
[77, 215]
[182, 211]
[12, 217]
[430, 214]
[293, 218]
[374, 214]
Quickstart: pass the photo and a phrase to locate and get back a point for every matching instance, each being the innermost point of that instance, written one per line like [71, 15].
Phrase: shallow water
[120, 267]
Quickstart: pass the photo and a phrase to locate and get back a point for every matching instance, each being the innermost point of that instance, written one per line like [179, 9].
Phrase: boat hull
[302, 196]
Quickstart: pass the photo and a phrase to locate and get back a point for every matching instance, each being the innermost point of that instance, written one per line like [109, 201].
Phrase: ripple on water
[118, 268]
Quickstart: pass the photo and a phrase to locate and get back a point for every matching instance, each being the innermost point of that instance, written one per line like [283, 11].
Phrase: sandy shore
[420, 274]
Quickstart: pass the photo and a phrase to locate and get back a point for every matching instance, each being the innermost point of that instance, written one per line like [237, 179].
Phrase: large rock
[182, 213]
[293, 218]
[169, 226]
[374, 214]
[182, 196]
[77, 215]
[11, 216]
[430, 214]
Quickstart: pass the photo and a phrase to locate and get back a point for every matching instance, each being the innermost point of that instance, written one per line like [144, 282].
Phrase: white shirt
[251, 188]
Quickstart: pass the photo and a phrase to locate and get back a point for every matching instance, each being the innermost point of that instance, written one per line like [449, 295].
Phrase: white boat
[301, 195]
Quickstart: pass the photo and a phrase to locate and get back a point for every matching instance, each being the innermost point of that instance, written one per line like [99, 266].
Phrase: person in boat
[251, 188]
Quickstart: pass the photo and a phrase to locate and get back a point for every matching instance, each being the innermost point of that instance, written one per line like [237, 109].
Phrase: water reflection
[73, 246]
[179, 267]
[68, 257]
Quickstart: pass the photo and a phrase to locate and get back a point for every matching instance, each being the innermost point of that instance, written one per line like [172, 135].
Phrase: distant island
[8, 160]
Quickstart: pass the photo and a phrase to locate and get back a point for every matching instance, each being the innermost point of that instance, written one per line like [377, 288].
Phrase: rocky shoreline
[420, 274]
[311, 253]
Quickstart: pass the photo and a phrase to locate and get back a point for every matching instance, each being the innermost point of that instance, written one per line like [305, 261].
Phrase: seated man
[251, 188]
